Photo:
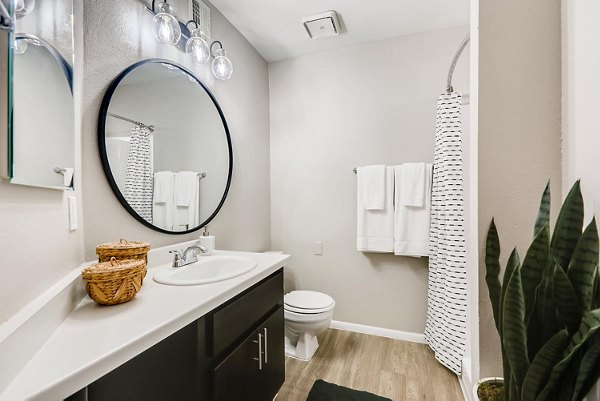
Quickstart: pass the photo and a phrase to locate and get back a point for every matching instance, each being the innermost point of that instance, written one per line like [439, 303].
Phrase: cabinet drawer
[241, 315]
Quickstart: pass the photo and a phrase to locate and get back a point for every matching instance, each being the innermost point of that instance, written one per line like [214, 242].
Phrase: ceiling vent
[322, 25]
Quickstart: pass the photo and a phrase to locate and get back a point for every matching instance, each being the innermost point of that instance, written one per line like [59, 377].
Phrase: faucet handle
[177, 259]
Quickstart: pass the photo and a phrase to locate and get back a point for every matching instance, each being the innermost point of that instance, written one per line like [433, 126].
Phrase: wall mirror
[165, 146]
[42, 151]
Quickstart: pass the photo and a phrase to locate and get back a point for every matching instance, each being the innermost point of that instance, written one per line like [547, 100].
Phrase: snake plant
[547, 308]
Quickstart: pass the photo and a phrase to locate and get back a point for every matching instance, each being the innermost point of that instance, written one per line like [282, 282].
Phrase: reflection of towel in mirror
[162, 209]
[186, 192]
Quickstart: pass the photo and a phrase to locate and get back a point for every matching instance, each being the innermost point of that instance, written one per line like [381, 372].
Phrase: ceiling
[274, 28]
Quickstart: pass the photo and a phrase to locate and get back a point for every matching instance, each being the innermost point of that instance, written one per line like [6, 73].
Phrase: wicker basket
[114, 282]
[123, 250]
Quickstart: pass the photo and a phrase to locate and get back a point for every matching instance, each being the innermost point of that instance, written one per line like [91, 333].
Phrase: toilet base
[304, 349]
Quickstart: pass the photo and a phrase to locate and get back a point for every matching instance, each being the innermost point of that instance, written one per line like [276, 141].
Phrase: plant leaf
[533, 267]
[568, 226]
[542, 323]
[567, 306]
[589, 370]
[514, 331]
[590, 324]
[543, 217]
[492, 271]
[583, 266]
[541, 366]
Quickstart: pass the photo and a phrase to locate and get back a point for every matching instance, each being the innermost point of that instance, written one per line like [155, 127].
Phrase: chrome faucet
[181, 258]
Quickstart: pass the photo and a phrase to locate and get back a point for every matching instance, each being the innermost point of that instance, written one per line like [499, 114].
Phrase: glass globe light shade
[23, 7]
[221, 65]
[20, 46]
[165, 26]
[197, 47]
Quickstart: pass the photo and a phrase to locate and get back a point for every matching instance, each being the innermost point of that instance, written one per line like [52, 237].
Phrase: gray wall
[244, 221]
[330, 112]
[519, 132]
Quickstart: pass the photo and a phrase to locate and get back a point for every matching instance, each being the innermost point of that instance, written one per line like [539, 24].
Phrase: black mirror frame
[104, 158]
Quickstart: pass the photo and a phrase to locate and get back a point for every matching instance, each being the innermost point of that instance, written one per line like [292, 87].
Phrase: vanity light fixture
[222, 68]
[196, 46]
[165, 26]
[23, 7]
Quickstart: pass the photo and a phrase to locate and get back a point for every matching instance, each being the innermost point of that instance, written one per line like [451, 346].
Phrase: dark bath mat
[323, 391]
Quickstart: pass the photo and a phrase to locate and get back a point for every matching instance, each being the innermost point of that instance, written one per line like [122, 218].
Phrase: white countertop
[94, 339]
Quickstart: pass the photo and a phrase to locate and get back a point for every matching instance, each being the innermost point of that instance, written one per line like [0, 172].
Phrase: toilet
[307, 314]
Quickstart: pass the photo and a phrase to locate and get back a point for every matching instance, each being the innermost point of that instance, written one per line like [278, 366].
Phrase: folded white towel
[412, 184]
[411, 223]
[68, 176]
[186, 213]
[163, 204]
[375, 228]
[185, 187]
[371, 186]
[163, 186]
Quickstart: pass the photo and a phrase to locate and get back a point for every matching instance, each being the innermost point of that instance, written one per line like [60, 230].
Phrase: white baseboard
[378, 331]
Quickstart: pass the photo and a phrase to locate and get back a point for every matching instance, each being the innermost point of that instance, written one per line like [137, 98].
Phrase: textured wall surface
[330, 112]
[519, 132]
[114, 38]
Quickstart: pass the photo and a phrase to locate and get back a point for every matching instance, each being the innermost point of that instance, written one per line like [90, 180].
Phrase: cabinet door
[272, 374]
[167, 371]
[255, 370]
[236, 378]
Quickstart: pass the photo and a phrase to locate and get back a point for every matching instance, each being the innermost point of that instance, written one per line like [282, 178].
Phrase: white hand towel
[185, 188]
[412, 185]
[68, 176]
[411, 223]
[375, 228]
[162, 206]
[186, 201]
[371, 186]
[163, 186]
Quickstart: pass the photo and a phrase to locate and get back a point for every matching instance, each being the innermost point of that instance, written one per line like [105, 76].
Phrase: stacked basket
[119, 273]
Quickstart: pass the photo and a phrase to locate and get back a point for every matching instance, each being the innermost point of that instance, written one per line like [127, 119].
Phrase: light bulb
[165, 31]
[23, 7]
[166, 27]
[221, 65]
[197, 47]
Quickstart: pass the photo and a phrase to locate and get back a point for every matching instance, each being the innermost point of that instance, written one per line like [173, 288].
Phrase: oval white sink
[208, 269]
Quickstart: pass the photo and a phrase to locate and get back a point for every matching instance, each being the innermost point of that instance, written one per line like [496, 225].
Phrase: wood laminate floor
[398, 370]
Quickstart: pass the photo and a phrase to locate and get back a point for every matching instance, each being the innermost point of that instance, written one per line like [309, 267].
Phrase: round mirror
[165, 146]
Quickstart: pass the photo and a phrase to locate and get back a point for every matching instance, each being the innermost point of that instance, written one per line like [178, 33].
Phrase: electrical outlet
[318, 248]
[73, 225]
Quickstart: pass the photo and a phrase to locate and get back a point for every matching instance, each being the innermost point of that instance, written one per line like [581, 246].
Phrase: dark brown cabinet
[255, 370]
[235, 352]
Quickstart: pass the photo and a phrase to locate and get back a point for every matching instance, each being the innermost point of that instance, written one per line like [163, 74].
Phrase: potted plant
[547, 308]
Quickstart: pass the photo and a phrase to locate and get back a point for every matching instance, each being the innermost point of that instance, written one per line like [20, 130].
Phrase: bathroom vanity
[219, 341]
[234, 352]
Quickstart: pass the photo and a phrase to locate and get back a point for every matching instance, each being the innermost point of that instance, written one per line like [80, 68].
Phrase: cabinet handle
[260, 351]
[266, 347]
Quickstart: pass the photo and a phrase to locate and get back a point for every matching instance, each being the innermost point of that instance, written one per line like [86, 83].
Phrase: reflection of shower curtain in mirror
[139, 174]
[445, 330]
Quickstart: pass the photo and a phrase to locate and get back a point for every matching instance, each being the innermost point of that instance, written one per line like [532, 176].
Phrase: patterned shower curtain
[139, 174]
[445, 330]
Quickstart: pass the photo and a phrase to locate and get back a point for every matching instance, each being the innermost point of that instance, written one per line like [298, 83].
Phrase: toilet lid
[308, 302]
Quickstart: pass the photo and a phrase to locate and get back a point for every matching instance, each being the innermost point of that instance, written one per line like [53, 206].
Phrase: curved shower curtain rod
[462, 46]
